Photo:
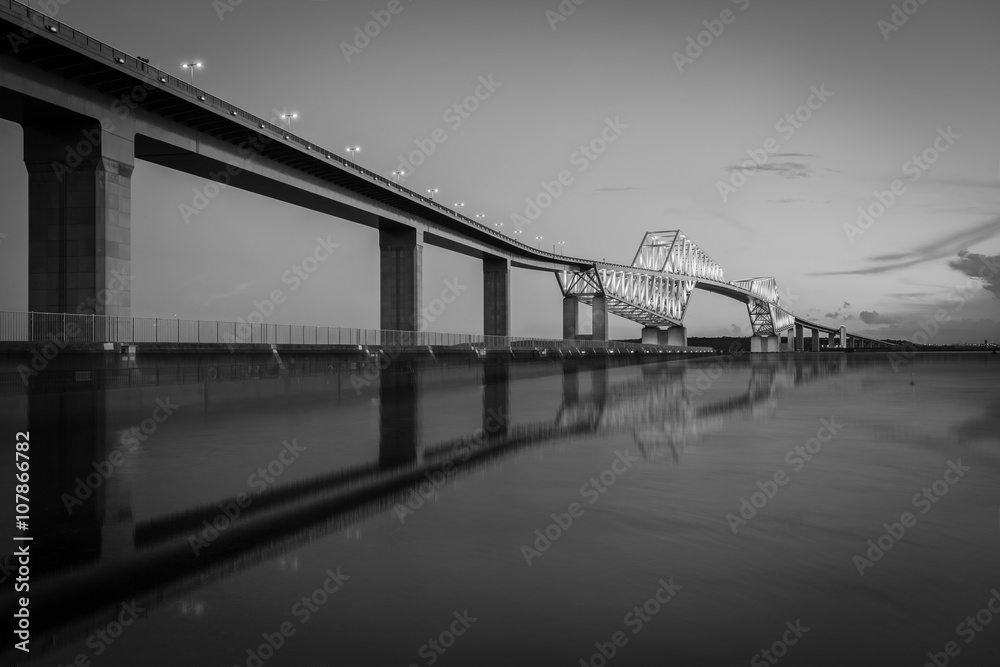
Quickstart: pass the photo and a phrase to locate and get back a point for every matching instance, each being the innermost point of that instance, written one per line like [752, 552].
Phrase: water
[679, 445]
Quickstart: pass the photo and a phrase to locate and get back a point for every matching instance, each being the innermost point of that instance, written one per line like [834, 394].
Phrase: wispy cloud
[783, 169]
[940, 248]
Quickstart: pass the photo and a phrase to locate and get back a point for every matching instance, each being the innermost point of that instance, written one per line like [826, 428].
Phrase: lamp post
[352, 150]
[558, 245]
[459, 206]
[288, 119]
[538, 241]
[397, 174]
[432, 192]
[192, 67]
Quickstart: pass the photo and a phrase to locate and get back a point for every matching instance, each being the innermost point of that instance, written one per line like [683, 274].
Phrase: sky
[758, 128]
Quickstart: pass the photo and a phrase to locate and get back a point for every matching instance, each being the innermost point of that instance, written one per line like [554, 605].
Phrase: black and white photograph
[430, 333]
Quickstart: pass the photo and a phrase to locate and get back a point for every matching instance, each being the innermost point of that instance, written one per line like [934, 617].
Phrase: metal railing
[60, 329]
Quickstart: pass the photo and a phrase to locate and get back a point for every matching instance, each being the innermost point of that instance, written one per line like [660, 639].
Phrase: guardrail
[61, 329]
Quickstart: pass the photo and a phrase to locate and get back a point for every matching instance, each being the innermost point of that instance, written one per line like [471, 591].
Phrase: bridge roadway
[89, 111]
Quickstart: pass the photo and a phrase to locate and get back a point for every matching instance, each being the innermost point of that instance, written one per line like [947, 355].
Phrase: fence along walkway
[64, 328]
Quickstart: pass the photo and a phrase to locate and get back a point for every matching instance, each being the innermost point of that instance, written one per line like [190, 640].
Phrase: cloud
[984, 267]
[944, 246]
[873, 317]
[783, 169]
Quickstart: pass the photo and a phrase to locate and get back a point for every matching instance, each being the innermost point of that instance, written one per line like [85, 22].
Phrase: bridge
[89, 111]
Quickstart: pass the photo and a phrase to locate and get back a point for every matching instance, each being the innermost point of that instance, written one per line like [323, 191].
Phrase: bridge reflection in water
[129, 535]
[99, 554]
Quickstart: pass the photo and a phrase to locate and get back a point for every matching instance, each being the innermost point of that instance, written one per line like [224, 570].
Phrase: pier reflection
[104, 557]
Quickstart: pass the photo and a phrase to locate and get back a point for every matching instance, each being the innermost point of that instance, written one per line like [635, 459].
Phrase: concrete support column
[571, 383]
[399, 417]
[79, 217]
[677, 336]
[830, 342]
[799, 342]
[400, 275]
[650, 335]
[496, 398]
[757, 344]
[600, 318]
[571, 317]
[496, 296]
[773, 343]
[815, 340]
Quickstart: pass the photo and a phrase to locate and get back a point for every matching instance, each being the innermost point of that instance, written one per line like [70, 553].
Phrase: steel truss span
[656, 288]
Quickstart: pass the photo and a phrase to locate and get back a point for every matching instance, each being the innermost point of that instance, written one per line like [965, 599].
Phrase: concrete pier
[79, 215]
[571, 317]
[600, 318]
[496, 296]
[677, 335]
[400, 275]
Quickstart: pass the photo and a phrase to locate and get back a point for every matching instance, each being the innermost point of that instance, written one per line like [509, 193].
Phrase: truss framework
[656, 288]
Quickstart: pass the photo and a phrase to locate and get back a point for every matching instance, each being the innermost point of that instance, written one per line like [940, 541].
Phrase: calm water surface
[854, 442]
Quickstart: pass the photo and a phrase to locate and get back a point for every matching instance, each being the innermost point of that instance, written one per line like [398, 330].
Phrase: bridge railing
[60, 329]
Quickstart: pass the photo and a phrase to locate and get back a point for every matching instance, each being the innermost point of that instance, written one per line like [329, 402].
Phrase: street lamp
[558, 245]
[538, 240]
[192, 67]
[459, 205]
[352, 150]
[432, 192]
[288, 119]
[397, 174]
